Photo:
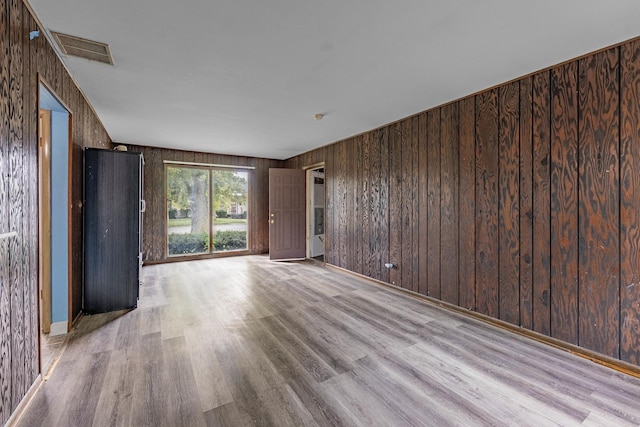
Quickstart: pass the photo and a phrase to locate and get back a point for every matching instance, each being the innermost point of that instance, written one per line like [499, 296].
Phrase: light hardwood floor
[243, 341]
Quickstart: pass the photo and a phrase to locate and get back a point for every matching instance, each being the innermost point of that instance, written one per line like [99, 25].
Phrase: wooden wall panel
[380, 211]
[541, 304]
[340, 193]
[5, 278]
[415, 205]
[30, 251]
[526, 204]
[365, 205]
[22, 63]
[395, 203]
[154, 225]
[630, 203]
[433, 207]
[359, 216]
[423, 203]
[487, 203]
[509, 203]
[564, 203]
[527, 192]
[350, 217]
[406, 213]
[599, 205]
[467, 205]
[16, 199]
[449, 181]
[329, 180]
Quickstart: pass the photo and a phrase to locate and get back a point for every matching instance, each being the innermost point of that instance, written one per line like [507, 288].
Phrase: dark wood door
[286, 214]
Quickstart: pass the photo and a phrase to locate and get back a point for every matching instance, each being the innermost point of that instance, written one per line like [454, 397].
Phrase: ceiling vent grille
[83, 48]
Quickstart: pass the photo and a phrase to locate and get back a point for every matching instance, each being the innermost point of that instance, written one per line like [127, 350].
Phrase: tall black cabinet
[113, 206]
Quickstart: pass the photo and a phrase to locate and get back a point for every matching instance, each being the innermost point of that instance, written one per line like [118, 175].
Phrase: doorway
[315, 213]
[54, 203]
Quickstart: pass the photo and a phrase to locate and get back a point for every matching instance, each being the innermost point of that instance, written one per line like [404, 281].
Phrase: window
[207, 209]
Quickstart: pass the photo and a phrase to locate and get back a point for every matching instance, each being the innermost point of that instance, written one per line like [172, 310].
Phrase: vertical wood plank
[350, 187]
[526, 203]
[406, 228]
[467, 195]
[487, 203]
[599, 209]
[564, 203]
[341, 203]
[509, 203]
[329, 181]
[629, 202]
[423, 220]
[395, 202]
[375, 207]
[365, 207]
[541, 304]
[384, 212]
[16, 208]
[433, 208]
[5, 278]
[415, 214]
[358, 214]
[30, 222]
[449, 212]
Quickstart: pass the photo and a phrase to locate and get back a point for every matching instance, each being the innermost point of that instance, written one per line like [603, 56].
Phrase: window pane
[230, 209]
[188, 211]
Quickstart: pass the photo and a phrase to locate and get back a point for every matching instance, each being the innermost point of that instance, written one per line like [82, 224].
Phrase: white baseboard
[58, 328]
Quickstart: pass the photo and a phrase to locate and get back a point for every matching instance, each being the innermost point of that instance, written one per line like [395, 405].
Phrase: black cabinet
[113, 206]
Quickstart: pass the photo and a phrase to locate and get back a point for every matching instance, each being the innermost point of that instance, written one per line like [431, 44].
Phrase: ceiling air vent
[83, 48]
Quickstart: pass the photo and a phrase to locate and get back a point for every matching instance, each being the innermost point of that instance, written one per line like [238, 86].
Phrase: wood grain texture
[359, 217]
[351, 221]
[383, 230]
[16, 204]
[365, 204]
[564, 203]
[433, 198]
[509, 203]
[467, 205]
[629, 202]
[599, 204]
[526, 204]
[5, 277]
[415, 204]
[329, 188]
[449, 212]
[324, 348]
[31, 294]
[395, 203]
[407, 220]
[541, 290]
[487, 273]
[341, 215]
[423, 204]
[373, 255]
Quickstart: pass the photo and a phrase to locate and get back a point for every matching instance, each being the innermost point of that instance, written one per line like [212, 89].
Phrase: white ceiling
[245, 77]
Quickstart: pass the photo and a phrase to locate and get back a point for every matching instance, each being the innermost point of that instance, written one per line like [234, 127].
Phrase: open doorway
[54, 203]
[315, 213]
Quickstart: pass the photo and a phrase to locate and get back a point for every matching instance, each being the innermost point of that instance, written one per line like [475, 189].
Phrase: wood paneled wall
[155, 218]
[22, 63]
[521, 202]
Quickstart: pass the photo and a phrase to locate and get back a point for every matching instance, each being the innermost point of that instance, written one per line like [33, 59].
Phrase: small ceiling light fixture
[318, 116]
